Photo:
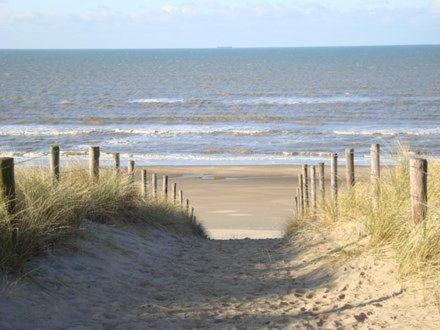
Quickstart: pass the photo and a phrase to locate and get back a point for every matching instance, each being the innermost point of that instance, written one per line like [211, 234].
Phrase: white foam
[164, 100]
[391, 131]
[291, 100]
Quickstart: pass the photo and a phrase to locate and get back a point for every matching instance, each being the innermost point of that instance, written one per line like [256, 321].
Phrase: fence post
[419, 189]
[154, 185]
[174, 192]
[117, 160]
[305, 174]
[7, 183]
[191, 215]
[55, 163]
[334, 178]
[144, 183]
[301, 193]
[94, 162]
[181, 198]
[165, 188]
[321, 181]
[349, 167]
[130, 170]
[375, 172]
[187, 206]
[313, 188]
[298, 194]
[296, 210]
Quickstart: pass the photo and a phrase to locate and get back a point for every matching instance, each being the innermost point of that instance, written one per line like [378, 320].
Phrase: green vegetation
[48, 212]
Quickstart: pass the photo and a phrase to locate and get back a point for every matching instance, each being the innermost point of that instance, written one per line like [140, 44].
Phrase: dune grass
[417, 248]
[48, 212]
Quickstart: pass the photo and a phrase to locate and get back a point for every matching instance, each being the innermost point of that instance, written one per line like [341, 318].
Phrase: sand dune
[133, 278]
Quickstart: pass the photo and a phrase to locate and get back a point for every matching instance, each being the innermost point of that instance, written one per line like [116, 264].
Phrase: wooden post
[349, 167]
[375, 172]
[305, 174]
[94, 162]
[191, 215]
[187, 206]
[174, 192]
[154, 185]
[7, 183]
[130, 170]
[144, 184]
[55, 163]
[334, 178]
[165, 188]
[313, 189]
[301, 193]
[298, 194]
[321, 178]
[296, 207]
[181, 198]
[117, 160]
[419, 188]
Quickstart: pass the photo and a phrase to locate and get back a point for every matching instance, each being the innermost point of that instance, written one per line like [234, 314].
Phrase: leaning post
[419, 189]
[7, 183]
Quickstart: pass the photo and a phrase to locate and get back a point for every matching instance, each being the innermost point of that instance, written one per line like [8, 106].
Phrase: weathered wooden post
[321, 179]
[301, 193]
[187, 206]
[174, 192]
[313, 189]
[144, 184]
[349, 167]
[181, 198]
[130, 170]
[334, 178]
[165, 188]
[117, 162]
[191, 215]
[55, 163]
[298, 194]
[296, 210]
[154, 185]
[94, 163]
[419, 188]
[305, 174]
[375, 172]
[7, 183]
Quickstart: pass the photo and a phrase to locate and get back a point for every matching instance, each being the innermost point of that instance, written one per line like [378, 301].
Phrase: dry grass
[47, 212]
[389, 224]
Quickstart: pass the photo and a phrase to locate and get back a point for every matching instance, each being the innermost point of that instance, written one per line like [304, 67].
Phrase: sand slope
[127, 278]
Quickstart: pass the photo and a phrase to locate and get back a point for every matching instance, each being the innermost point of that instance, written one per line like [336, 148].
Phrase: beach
[241, 201]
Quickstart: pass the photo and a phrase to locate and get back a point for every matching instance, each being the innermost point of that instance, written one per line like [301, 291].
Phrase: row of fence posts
[7, 179]
[309, 186]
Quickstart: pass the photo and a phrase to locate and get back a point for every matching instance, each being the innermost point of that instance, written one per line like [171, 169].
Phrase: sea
[221, 106]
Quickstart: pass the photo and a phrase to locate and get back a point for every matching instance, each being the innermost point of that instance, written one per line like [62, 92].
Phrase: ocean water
[221, 106]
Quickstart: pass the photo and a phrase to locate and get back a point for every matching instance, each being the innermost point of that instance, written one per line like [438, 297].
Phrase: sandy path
[131, 279]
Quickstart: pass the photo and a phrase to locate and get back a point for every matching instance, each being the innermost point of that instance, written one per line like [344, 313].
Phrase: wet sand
[241, 201]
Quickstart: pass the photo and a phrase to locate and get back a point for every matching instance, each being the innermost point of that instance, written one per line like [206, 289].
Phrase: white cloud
[435, 7]
[167, 8]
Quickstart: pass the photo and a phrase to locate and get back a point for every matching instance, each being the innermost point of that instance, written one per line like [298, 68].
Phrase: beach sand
[241, 201]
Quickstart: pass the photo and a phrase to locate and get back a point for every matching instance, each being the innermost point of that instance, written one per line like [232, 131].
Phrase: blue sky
[209, 23]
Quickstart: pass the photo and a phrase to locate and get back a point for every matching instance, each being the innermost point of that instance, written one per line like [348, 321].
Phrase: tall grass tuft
[47, 212]
[389, 223]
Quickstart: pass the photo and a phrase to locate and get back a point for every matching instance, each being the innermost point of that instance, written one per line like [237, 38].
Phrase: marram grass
[48, 212]
[389, 223]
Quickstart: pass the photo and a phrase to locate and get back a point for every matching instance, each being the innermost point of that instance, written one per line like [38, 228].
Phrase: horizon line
[227, 47]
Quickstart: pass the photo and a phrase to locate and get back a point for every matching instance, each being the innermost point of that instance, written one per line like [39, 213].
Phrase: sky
[210, 23]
